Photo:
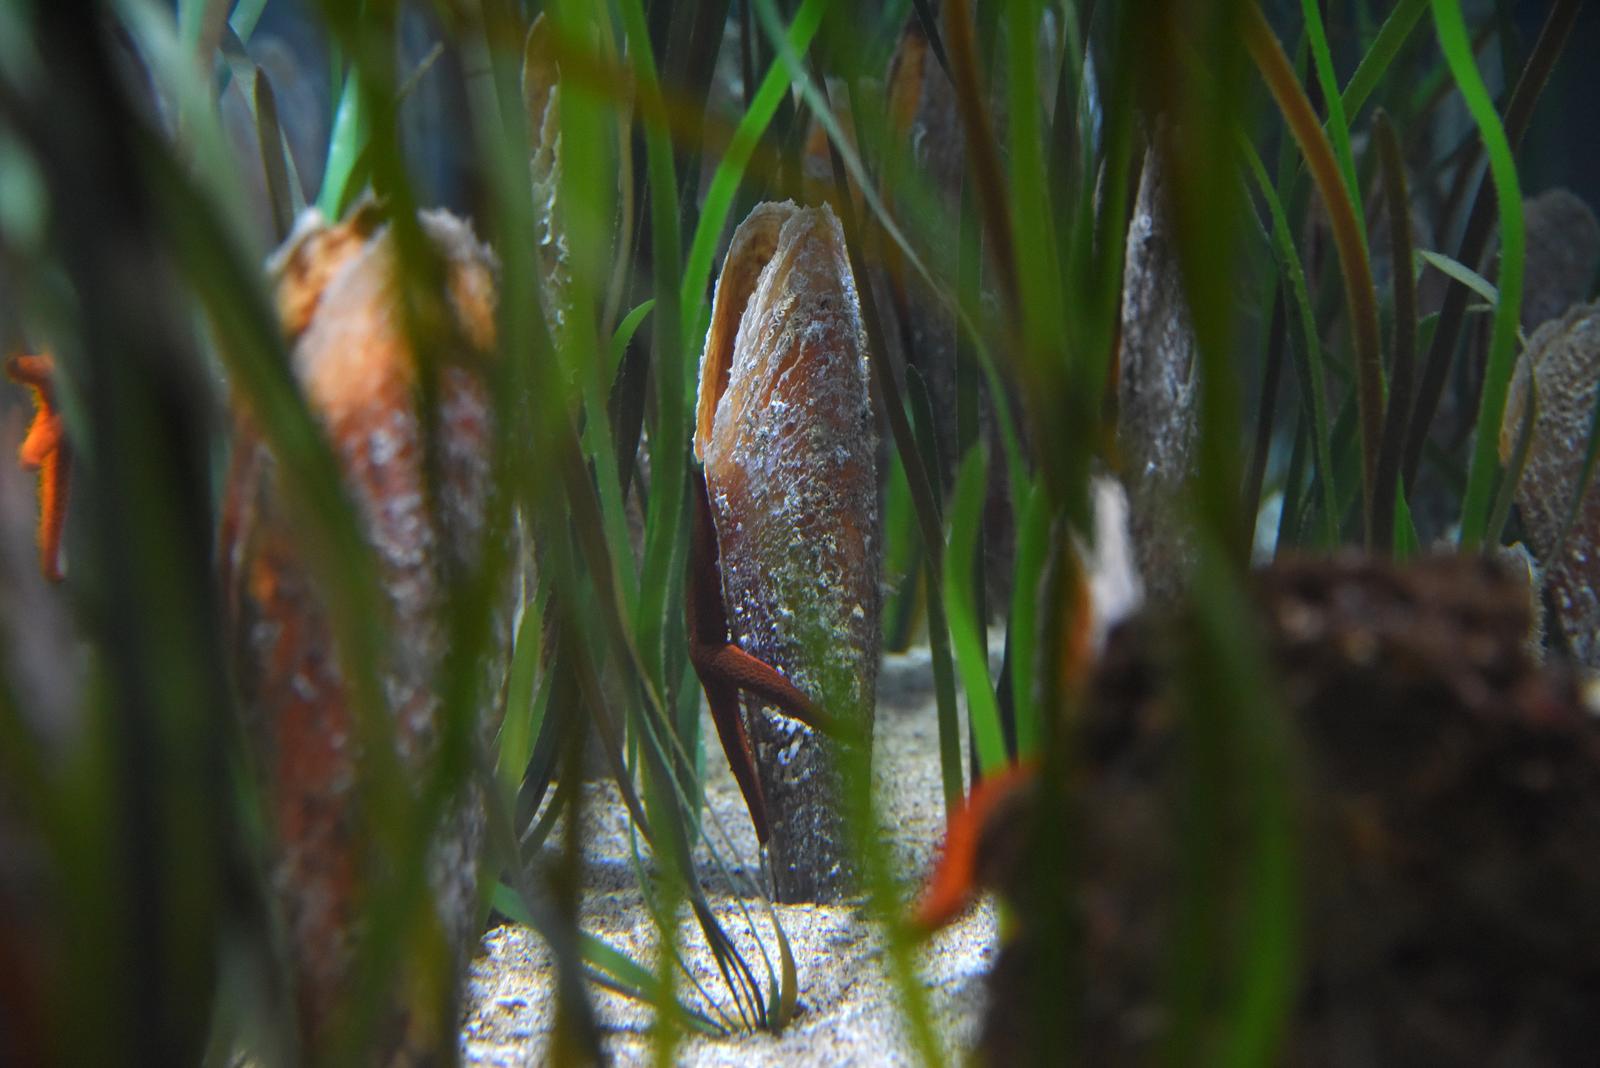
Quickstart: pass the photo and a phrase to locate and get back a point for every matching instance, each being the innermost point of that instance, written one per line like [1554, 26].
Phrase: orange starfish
[964, 867]
[46, 451]
[725, 669]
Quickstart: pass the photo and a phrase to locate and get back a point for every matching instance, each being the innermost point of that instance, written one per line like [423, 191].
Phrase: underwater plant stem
[1502, 347]
[1403, 355]
[982, 149]
[1547, 49]
[1360, 292]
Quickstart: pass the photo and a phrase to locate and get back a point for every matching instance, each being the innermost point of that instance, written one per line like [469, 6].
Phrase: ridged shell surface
[1157, 389]
[789, 441]
[352, 359]
[1562, 366]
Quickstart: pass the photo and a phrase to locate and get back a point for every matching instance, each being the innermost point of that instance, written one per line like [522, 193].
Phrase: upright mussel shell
[788, 436]
[418, 481]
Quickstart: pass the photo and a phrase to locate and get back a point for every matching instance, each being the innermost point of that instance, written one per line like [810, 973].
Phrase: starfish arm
[724, 702]
[756, 676]
[54, 478]
[959, 876]
[707, 624]
[46, 451]
[34, 371]
[707, 617]
[43, 439]
[706, 614]
[724, 668]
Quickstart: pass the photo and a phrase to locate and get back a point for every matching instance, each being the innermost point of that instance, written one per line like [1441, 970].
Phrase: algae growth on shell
[788, 437]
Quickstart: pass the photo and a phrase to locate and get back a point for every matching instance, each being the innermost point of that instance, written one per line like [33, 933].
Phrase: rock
[1446, 806]
[1563, 251]
[1562, 365]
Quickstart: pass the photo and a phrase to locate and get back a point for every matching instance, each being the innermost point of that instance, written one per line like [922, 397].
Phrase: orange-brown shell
[350, 354]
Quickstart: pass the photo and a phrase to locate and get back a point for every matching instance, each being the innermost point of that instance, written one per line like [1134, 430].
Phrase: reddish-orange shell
[336, 294]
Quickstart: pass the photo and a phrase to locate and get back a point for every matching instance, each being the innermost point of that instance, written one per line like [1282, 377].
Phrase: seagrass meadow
[794, 531]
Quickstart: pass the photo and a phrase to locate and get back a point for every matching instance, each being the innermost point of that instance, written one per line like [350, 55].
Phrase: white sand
[849, 1008]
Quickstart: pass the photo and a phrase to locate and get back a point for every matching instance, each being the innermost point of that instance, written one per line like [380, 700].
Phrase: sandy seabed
[849, 1008]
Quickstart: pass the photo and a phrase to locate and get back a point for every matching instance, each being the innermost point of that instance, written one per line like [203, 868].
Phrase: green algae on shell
[786, 430]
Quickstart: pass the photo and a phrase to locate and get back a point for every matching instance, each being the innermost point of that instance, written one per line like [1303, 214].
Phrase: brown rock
[1562, 364]
[1563, 252]
[1447, 803]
